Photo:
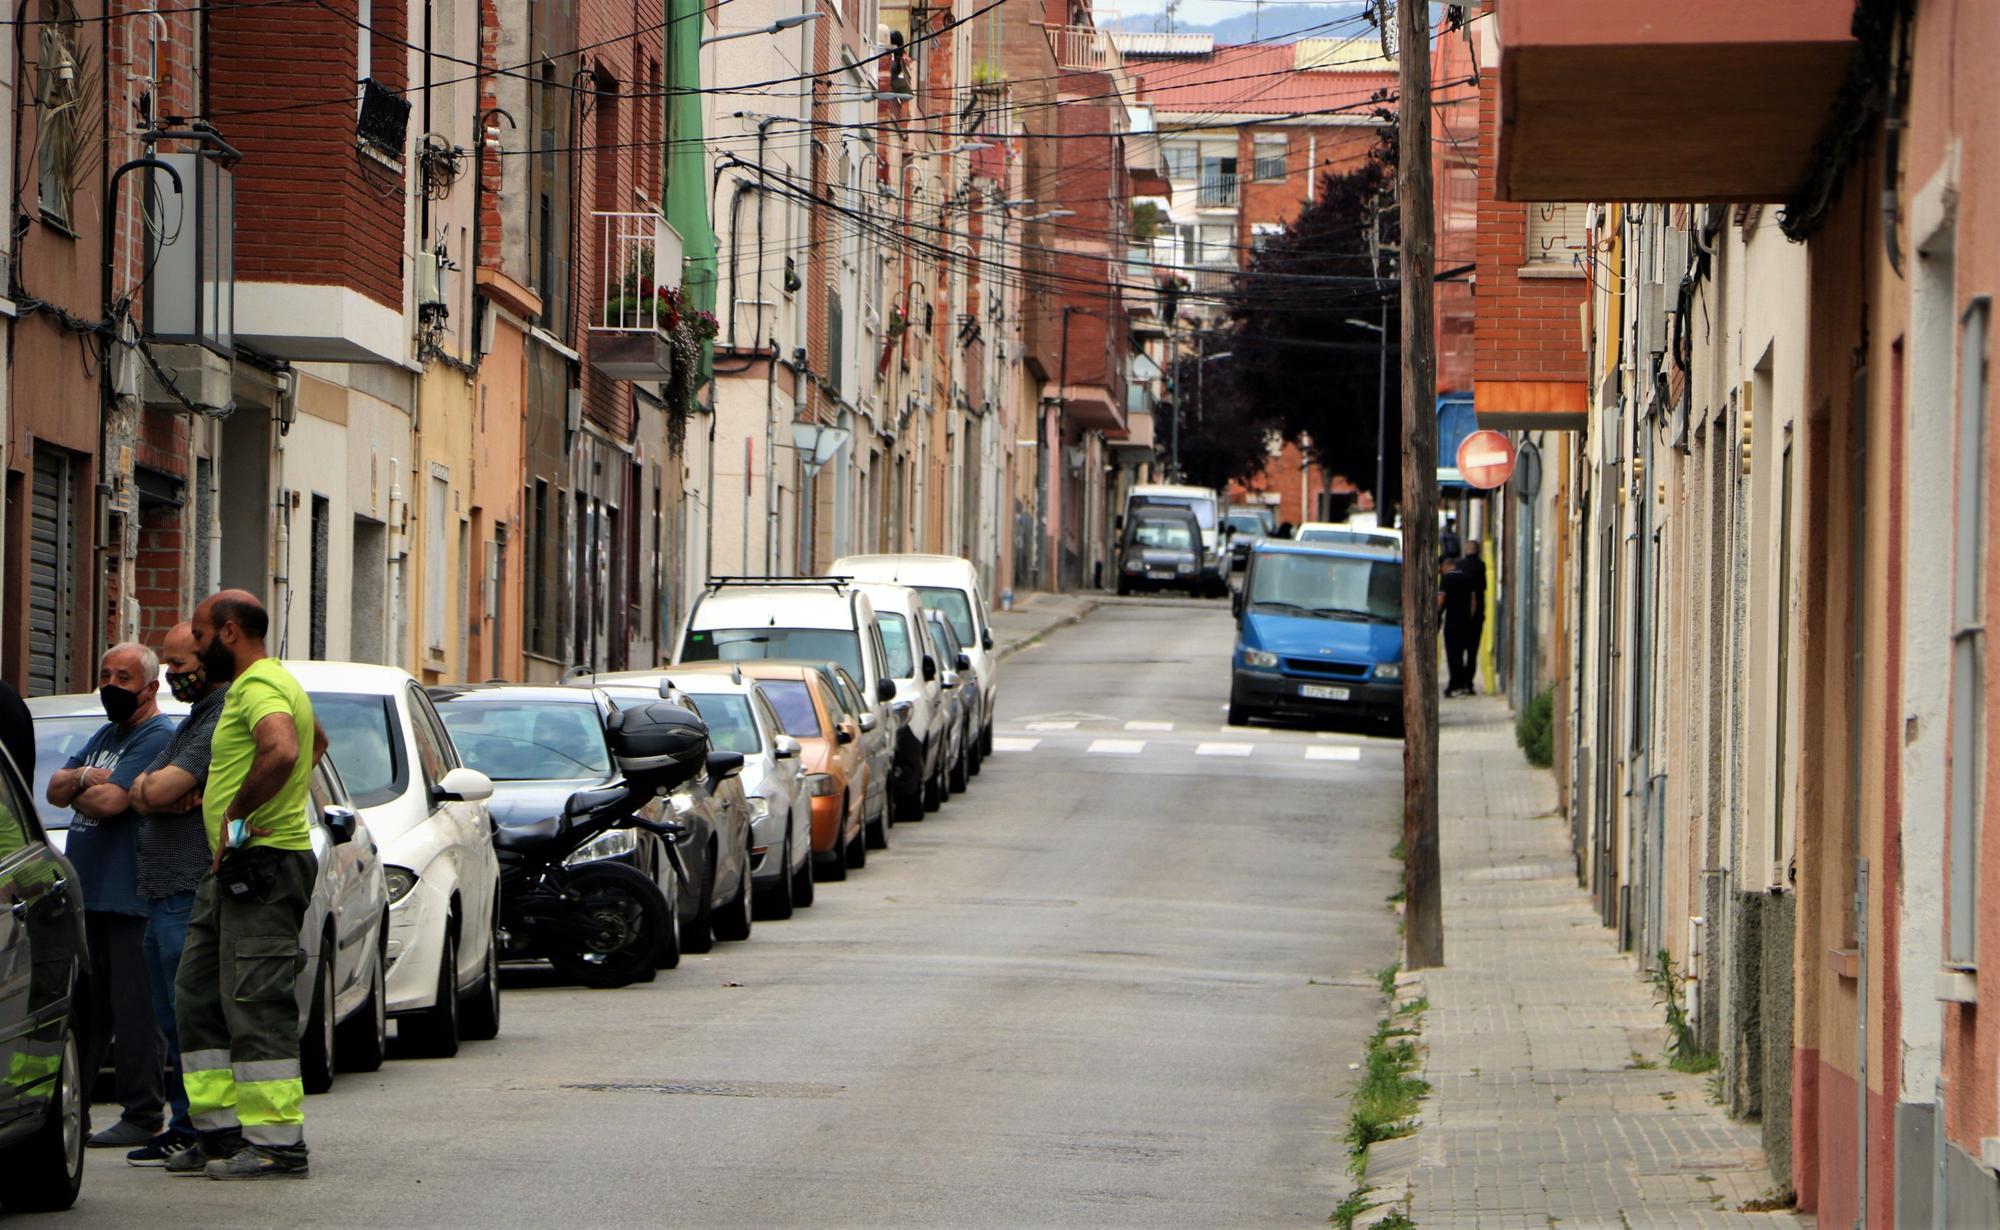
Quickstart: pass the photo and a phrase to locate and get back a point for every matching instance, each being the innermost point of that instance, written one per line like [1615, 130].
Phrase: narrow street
[1119, 983]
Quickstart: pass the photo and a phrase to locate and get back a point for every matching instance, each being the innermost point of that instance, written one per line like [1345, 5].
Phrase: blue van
[1319, 633]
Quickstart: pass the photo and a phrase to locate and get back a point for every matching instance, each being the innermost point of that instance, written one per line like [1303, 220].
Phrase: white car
[1341, 534]
[345, 924]
[429, 817]
[948, 584]
[923, 745]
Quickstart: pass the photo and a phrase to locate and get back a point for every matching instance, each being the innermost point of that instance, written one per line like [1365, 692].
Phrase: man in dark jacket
[1461, 626]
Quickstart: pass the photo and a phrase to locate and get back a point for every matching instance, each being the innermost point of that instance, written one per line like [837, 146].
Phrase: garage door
[51, 575]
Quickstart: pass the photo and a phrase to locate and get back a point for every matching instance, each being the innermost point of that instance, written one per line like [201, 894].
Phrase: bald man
[103, 847]
[237, 992]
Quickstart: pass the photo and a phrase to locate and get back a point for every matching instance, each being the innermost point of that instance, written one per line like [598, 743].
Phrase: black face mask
[189, 687]
[119, 705]
[217, 662]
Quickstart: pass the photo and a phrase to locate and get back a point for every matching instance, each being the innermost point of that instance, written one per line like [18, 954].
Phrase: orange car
[833, 760]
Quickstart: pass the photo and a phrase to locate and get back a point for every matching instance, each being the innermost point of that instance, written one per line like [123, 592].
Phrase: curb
[1007, 651]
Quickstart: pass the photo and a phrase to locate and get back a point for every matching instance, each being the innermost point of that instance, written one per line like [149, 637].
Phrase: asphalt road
[1119, 983]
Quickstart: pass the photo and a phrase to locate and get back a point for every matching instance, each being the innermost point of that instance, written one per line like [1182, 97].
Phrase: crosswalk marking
[1333, 753]
[1118, 747]
[1051, 725]
[1161, 726]
[1225, 749]
[1003, 743]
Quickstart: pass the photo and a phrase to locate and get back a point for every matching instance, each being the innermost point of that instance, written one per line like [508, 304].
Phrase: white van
[949, 585]
[917, 784]
[795, 619]
[1207, 506]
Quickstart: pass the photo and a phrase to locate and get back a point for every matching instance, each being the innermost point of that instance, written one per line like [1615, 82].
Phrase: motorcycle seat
[524, 836]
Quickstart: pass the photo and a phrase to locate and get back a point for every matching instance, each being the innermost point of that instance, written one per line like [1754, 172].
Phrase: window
[322, 533]
[1554, 236]
[731, 726]
[1218, 184]
[431, 756]
[538, 551]
[364, 744]
[1182, 161]
[953, 604]
[434, 562]
[753, 644]
[63, 86]
[794, 704]
[1968, 636]
[512, 741]
[1270, 157]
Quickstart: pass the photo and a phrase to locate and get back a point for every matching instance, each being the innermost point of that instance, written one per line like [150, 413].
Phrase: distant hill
[1279, 22]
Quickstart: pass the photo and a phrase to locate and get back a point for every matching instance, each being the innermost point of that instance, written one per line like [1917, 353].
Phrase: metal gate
[51, 572]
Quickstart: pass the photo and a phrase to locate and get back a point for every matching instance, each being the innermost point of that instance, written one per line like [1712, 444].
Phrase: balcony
[1217, 192]
[1085, 48]
[1711, 100]
[640, 259]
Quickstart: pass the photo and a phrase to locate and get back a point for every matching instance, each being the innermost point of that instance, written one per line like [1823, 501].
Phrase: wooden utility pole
[1423, 921]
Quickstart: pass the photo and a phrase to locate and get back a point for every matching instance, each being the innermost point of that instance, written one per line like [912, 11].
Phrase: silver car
[878, 723]
[343, 1007]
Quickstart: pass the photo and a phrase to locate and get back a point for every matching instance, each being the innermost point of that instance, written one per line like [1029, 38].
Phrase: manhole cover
[715, 1089]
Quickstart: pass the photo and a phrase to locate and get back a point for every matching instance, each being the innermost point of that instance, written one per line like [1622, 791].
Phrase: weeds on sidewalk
[1684, 1053]
[1386, 1099]
[1356, 1204]
[1386, 977]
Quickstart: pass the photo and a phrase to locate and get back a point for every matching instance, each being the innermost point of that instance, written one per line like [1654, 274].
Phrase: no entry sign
[1485, 459]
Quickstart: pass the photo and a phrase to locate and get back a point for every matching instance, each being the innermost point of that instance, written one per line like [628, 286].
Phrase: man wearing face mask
[103, 848]
[173, 854]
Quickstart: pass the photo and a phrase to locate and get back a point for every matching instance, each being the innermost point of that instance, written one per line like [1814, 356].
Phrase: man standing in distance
[173, 857]
[237, 993]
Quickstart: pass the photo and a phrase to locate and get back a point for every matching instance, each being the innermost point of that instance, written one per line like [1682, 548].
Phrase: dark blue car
[1319, 635]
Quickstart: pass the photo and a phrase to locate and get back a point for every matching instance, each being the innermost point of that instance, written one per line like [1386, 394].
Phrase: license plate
[1318, 691]
[1161, 574]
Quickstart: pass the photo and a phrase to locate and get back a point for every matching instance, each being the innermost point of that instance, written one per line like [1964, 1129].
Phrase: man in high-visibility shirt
[237, 991]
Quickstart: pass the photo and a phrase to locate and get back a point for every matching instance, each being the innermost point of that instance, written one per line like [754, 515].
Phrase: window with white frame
[1555, 236]
[1968, 635]
[1182, 161]
[1270, 157]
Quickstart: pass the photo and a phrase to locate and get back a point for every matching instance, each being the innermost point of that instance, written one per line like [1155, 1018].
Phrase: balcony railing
[639, 255]
[1084, 47]
[1216, 192]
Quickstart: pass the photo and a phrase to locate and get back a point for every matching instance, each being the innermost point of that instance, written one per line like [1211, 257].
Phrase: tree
[1297, 355]
[1221, 437]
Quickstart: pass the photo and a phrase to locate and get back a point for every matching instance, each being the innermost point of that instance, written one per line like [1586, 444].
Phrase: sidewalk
[1538, 1115]
[1035, 615]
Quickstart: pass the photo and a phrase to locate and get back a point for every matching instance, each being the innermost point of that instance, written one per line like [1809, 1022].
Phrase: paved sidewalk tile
[1034, 615]
[1537, 1116]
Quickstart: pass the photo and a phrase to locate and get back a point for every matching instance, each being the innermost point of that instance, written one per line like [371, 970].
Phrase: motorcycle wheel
[629, 911]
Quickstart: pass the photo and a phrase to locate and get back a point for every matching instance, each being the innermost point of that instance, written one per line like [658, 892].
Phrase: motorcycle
[602, 923]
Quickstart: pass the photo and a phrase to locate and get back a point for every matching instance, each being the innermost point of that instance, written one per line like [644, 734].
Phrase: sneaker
[156, 1151]
[123, 1134]
[188, 1159]
[255, 1162]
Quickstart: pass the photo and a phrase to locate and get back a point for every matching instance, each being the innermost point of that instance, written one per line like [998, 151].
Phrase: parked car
[741, 720]
[949, 584]
[1319, 634]
[961, 685]
[343, 1021]
[1161, 548]
[832, 760]
[918, 782]
[539, 745]
[1206, 505]
[428, 813]
[801, 619]
[1341, 534]
[878, 725]
[718, 899]
[44, 985]
[1247, 527]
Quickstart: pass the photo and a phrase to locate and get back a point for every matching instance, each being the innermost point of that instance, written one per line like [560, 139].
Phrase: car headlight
[1133, 565]
[820, 785]
[400, 881]
[1388, 670]
[1184, 566]
[1259, 657]
[760, 809]
[612, 843]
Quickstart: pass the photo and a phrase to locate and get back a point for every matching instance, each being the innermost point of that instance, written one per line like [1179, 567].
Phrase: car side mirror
[964, 660]
[844, 733]
[930, 668]
[950, 680]
[722, 765]
[867, 722]
[342, 823]
[463, 785]
[1236, 604]
[784, 747]
[885, 690]
[986, 639]
[1118, 522]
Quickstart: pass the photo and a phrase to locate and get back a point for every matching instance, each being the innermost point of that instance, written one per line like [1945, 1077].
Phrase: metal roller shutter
[51, 576]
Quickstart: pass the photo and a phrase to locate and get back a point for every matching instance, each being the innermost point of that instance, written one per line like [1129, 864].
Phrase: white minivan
[789, 619]
[949, 585]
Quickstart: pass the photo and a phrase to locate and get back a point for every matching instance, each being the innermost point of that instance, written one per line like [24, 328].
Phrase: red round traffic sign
[1485, 459]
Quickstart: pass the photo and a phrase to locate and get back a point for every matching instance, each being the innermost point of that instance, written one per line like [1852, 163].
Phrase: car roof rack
[715, 583]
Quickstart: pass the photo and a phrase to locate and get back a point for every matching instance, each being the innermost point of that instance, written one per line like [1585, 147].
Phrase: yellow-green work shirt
[262, 690]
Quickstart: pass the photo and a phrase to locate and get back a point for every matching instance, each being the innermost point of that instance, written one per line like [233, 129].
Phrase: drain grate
[715, 1089]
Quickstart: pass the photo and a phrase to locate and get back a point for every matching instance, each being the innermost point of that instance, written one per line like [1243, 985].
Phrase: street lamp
[1381, 405]
[1050, 213]
[782, 24]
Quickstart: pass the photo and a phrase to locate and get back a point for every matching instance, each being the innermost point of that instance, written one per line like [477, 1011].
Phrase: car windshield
[365, 739]
[952, 604]
[896, 644]
[1163, 535]
[794, 705]
[1249, 524]
[56, 740]
[528, 740]
[1327, 586]
[1204, 510]
[752, 644]
[731, 727]
[1341, 538]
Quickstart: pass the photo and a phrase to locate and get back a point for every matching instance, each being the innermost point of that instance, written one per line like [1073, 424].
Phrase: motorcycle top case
[657, 743]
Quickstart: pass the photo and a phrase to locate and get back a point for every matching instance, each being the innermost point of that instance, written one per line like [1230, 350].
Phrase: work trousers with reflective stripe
[237, 1002]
